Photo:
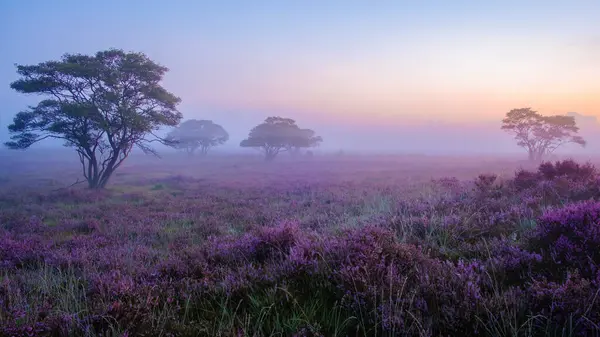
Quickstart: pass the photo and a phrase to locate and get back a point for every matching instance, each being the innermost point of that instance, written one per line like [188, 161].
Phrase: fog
[367, 79]
[431, 138]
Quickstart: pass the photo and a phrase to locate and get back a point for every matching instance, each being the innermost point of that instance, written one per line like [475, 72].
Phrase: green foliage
[277, 134]
[101, 105]
[541, 135]
[196, 134]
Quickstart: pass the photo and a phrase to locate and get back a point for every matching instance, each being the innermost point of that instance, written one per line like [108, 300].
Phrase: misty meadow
[281, 239]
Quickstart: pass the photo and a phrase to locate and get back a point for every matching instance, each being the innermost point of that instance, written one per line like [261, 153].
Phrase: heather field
[322, 246]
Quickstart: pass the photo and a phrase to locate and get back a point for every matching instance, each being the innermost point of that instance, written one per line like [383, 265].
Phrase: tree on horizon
[194, 134]
[278, 134]
[541, 135]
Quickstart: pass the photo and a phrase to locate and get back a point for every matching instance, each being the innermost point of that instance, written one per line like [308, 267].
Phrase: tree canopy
[541, 135]
[101, 105]
[196, 134]
[277, 134]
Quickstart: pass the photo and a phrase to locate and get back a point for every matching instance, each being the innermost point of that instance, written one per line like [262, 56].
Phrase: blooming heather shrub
[569, 169]
[512, 265]
[17, 253]
[259, 245]
[524, 179]
[74, 196]
[567, 180]
[395, 287]
[306, 255]
[573, 302]
[486, 186]
[361, 259]
[569, 238]
[449, 183]
[390, 286]
[452, 294]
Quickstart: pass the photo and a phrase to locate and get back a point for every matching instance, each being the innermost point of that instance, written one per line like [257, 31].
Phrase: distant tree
[541, 135]
[303, 138]
[196, 134]
[277, 134]
[101, 105]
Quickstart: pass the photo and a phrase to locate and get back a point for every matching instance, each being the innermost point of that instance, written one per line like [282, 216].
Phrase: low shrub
[488, 257]
[568, 238]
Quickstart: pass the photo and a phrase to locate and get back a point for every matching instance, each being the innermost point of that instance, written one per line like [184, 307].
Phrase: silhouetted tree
[101, 105]
[303, 138]
[277, 134]
[196, 134]
[541, 135]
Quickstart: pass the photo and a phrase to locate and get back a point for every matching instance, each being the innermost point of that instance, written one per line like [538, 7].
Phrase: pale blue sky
[364, 63]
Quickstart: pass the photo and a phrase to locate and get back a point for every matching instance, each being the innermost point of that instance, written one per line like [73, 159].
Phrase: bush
[567, 168]
[524, 179]
[456, 258]
[396, 289]
[568, 238]
[547, 171]
[572, 304]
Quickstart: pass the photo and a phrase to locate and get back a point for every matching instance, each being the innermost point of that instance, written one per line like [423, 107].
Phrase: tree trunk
[98, 172]
[100, 178]
[204, 150]
[536, 156]
[270, 155]
[92, 184]
[95, 182]
[105, 177]
[100, 181]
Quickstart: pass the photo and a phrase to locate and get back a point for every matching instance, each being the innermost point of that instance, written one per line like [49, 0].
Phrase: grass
[374, 246]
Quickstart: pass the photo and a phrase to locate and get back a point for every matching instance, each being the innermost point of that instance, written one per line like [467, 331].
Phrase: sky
[363, 74]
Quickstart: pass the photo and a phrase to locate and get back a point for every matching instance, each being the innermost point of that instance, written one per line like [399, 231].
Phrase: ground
[323, 246]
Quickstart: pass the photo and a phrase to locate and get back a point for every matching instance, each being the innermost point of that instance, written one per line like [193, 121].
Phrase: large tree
[277, 134]
[302, 139]
[541, 135]
[101, 105]
[196, 134]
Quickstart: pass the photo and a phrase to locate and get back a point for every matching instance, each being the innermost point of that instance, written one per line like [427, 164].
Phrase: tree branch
[73, 184]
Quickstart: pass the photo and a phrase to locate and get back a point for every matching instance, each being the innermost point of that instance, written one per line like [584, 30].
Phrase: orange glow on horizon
[463, 108]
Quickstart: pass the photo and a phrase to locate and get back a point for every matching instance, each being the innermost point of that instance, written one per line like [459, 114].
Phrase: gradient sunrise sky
[358, 62]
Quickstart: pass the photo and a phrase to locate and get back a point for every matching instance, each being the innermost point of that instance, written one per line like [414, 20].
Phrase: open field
[323, 246]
